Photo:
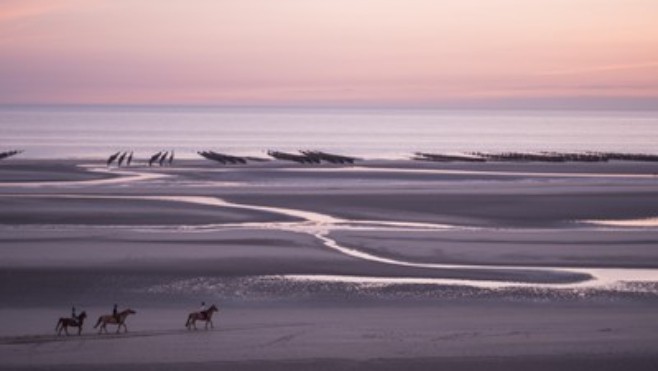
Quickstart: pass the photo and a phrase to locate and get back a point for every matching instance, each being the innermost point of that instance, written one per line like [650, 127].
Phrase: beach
[385, 264]
[328, 185]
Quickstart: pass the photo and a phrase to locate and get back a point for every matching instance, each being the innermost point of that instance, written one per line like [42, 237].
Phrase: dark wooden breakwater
[161, 159]
[222, 158]
[631, 157]
[124, 158]
[422, 156]
[312, 157]
[7, 154]
[320, 156]
[535, 157]
[303, 157]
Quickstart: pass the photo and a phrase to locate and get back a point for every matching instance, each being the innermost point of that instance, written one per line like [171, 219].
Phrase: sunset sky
[416, 53]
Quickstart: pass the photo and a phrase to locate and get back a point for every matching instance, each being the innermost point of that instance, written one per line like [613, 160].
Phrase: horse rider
[202, 309]
[73, 315]
[115, 314]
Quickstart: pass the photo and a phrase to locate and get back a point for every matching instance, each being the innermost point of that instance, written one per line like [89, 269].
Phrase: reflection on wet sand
[640, 223]
[320, 225]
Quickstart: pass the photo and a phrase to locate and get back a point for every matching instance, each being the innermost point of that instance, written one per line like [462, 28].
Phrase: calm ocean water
[95, 132]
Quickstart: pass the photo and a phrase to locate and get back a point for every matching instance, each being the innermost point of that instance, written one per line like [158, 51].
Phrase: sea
[94, 132]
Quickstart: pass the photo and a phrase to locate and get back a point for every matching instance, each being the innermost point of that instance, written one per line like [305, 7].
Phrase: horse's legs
[211, 324]
[66, 329]
[79, 330]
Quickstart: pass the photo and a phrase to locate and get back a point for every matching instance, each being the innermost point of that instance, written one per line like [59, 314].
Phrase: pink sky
[467, 53]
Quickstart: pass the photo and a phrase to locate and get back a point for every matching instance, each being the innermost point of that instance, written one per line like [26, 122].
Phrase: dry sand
[504, 258]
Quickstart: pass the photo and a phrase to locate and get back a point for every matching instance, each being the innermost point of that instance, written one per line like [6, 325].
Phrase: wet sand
[463, 334]
[503, 267]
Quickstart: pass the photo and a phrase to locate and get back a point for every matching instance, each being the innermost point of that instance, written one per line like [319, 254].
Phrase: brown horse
[65, 322]
[204, 315]
[119, 320]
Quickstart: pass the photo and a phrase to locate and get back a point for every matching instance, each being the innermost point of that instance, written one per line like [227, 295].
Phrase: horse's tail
[100, 319]
[189, 319]
[59, 323]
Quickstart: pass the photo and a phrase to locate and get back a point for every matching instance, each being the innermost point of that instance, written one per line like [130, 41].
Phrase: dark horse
[65, 322]
[204, 315]
[109, 319]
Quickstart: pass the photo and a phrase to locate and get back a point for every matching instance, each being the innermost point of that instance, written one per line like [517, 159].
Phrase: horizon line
[584, 108]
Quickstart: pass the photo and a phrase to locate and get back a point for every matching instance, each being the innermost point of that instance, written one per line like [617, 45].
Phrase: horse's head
[213, 308]
[130, 311]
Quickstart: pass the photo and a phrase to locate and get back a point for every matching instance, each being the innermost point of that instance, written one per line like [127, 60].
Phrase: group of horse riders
[118, 318]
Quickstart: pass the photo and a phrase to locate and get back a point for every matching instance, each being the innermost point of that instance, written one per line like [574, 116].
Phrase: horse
[109, 319]
[65, 322]
[204, 315]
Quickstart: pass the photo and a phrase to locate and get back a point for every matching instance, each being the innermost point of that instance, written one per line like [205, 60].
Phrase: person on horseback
[115, 314]
[202, 310]
[73, 315]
